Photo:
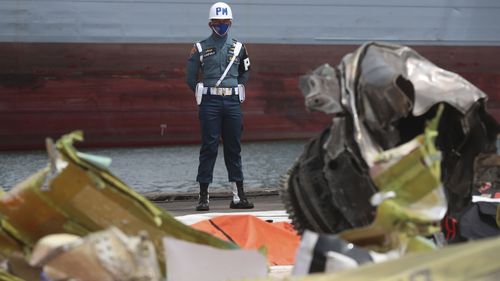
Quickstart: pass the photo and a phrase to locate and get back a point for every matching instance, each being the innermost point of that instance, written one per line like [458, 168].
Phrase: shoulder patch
[192, 52]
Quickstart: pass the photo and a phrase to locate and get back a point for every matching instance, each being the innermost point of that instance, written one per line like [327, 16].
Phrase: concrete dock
[185, 203]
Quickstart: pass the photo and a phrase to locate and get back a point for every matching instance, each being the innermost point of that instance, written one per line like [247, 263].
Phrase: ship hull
[134, 94]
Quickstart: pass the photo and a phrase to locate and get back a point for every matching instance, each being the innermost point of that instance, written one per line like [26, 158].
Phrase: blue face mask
[221, 28]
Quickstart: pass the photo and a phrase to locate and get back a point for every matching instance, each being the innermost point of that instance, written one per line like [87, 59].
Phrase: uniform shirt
[217, 53]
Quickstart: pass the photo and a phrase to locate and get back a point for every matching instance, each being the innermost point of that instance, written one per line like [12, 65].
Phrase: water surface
[168, 169]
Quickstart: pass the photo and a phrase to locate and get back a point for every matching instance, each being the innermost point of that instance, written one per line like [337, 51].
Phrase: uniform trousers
[220, 116]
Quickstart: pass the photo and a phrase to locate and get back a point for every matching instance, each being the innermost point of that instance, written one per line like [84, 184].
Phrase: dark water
[168, 169]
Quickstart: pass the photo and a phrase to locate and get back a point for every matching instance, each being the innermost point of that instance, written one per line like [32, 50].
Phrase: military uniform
[219, 115]
[217, 52]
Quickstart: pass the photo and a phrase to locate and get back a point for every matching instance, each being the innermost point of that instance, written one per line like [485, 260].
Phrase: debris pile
[93, 215]
[382, 97]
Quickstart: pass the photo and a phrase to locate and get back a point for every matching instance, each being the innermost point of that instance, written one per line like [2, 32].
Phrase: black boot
[243, 202]
[203, 200]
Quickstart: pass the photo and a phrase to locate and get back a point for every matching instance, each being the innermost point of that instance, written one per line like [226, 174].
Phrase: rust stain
[121, 95]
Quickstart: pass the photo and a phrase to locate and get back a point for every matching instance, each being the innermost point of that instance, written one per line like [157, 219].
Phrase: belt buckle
[223, 91]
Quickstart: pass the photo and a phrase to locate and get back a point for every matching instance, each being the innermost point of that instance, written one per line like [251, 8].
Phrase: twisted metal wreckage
[75, 220]
[381, 97]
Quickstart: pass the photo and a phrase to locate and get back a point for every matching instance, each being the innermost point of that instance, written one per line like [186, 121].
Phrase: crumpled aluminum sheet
[384, 93]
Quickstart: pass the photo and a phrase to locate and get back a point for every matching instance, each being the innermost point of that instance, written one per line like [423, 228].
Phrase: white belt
[220, 91]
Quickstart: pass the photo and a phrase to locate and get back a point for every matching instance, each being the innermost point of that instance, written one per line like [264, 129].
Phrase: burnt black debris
[381, 96]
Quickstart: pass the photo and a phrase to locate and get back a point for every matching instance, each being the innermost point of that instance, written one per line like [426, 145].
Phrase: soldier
[224, 66]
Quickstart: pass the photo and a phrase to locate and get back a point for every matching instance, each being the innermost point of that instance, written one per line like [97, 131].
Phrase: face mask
[221, 28]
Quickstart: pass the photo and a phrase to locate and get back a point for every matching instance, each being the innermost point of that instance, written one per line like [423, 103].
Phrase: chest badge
[209, 52]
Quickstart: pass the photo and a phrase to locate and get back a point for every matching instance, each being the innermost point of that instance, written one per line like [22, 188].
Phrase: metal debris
[380, 97]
